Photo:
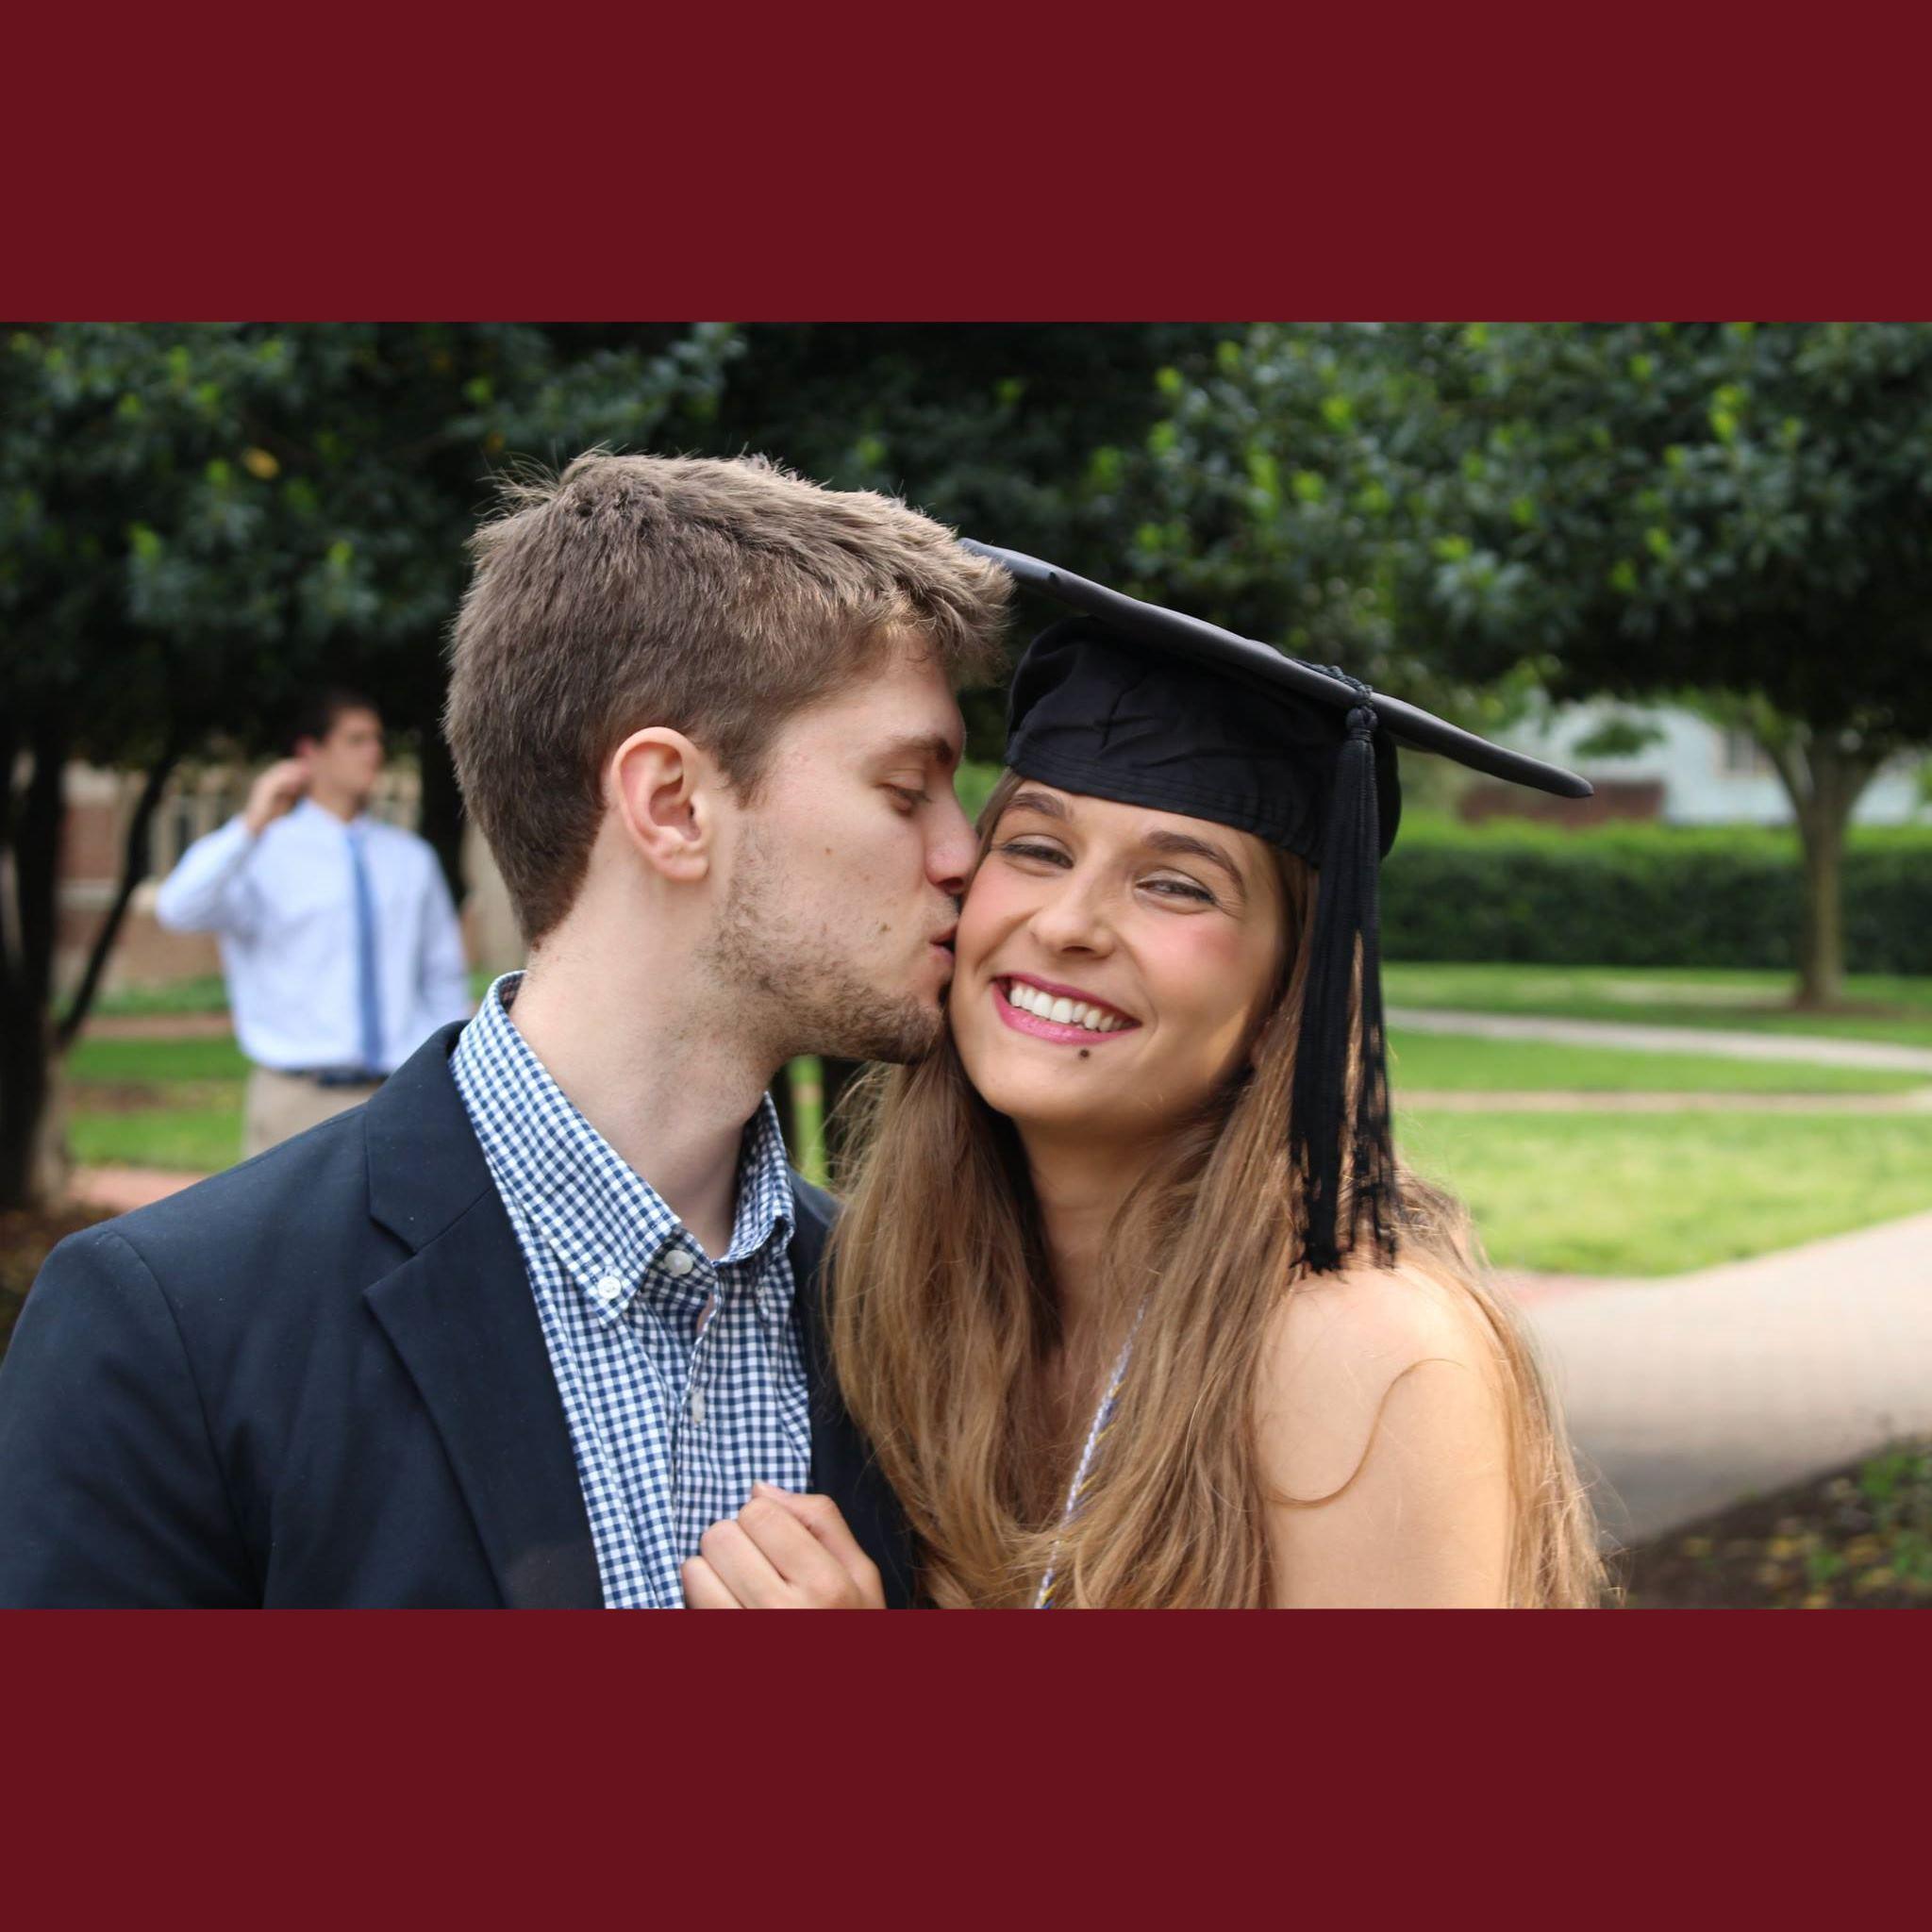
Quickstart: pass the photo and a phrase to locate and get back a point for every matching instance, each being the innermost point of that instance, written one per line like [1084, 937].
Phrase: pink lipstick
[1062, 1033]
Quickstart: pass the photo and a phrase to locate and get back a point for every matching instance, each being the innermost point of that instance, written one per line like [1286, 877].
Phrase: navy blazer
[320, 1379]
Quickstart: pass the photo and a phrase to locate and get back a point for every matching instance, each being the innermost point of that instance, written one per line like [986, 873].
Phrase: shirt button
[678, 1262]
[697, 1408]
[609, 1288]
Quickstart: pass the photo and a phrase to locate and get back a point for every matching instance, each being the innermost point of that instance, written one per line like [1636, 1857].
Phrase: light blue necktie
[369, 1007]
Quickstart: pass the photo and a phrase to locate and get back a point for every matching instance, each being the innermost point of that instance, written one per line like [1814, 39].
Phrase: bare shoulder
[1344, 1350]
[1384, 1441]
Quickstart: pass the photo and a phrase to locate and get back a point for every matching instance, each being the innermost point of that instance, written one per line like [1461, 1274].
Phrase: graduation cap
[1128, 700]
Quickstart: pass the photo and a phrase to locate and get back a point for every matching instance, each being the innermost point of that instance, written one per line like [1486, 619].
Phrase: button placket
[693, 1413]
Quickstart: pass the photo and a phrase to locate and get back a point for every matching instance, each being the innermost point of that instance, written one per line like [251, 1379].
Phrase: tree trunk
[134, 858]
[31, 840]
[1822, 938]
[1824, 781]
[26, 1072]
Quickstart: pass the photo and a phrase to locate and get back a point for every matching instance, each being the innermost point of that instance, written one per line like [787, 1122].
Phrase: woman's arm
[1384, 1447]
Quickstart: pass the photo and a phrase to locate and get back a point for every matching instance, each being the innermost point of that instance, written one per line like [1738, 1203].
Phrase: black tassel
[1341, 1064]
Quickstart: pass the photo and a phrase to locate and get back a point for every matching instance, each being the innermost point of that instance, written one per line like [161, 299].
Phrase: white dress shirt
[284, 907]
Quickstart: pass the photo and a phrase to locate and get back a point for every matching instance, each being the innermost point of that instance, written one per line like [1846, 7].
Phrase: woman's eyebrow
[1183, 844]
[1044, 802]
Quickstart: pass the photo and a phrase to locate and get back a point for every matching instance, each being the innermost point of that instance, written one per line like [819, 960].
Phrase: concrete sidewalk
[1815, 1049]
[120, 1190]
[1691, 1391]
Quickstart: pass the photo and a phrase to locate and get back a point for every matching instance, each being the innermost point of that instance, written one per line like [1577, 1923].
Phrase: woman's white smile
[1045, 1015]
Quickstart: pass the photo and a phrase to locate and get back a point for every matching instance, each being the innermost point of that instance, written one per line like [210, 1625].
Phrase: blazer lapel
[460, 1314]
[843, 1465]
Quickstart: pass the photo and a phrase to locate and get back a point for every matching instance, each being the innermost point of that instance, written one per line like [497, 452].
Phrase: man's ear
[664, 789]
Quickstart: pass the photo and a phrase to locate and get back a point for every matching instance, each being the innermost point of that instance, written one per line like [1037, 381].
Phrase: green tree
[198, 525]
[1017, 434]
[1736, 515]
[104, 444]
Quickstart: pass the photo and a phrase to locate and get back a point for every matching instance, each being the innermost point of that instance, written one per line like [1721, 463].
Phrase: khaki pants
[280, 1107]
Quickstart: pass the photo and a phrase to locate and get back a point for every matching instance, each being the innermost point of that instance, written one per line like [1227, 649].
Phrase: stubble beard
[790, 981]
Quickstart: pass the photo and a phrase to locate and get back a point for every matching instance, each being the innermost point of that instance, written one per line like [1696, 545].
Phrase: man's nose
[951, 847]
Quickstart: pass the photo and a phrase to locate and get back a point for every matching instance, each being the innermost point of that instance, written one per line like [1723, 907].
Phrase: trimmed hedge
[1645, 896]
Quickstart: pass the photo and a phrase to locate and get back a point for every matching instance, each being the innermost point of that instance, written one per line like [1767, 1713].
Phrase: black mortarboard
[1113, 701]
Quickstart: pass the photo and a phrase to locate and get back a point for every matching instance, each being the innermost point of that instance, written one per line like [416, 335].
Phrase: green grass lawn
[156, 1103]
[206, 994]
[197, 1137]
[155, 1061]
[1444, 1062]
[1658, 1193]
[1666, 996]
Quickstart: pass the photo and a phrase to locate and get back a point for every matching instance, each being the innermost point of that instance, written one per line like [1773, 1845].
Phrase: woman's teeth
[1062, 1012]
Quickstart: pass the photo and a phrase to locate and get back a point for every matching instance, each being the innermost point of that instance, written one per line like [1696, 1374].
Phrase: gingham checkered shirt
[681, 1376]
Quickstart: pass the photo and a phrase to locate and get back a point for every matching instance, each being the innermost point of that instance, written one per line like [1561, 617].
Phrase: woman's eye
[1022, 848]
[1181, 889]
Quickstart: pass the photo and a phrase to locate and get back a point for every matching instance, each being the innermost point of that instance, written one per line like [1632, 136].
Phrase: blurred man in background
[338, 934]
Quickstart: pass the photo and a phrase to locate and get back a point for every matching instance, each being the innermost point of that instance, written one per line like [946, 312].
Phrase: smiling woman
[1131, 1293]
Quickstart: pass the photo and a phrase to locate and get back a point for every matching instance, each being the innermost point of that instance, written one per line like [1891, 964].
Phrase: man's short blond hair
[716, 597]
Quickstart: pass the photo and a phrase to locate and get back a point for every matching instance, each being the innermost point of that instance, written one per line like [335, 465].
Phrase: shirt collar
[307, 812]
[602, 1219]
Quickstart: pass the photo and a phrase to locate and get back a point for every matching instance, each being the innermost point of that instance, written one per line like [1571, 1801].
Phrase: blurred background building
[1686, 771]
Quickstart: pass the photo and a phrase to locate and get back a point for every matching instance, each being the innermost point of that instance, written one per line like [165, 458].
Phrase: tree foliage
[203, 521]
[200, 524]
[1741, 514]
[1017, 434]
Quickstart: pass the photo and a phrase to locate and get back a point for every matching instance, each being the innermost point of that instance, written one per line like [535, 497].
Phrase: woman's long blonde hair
[944, 1318]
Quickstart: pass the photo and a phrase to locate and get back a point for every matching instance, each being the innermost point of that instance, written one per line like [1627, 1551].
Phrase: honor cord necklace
[1103, 1419]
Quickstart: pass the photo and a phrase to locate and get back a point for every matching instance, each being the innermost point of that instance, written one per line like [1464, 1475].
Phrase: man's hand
[783, 1551]
[275, 792]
